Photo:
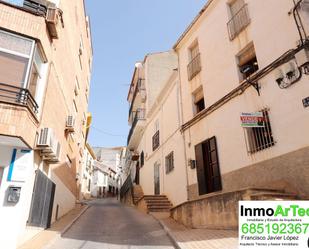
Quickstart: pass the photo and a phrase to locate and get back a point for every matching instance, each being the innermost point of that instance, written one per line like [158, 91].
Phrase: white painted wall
[166, 111]
[273, 33]
[63, 197]
[14, 217]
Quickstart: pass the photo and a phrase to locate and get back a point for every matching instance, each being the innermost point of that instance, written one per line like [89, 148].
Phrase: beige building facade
[243, 111]
[273, 156]
[43, 105]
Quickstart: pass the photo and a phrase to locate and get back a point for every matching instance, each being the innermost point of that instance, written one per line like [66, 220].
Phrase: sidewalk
[185, 238]
[58, 228]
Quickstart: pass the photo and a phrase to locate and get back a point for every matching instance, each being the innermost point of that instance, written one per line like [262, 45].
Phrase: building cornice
[192, 24]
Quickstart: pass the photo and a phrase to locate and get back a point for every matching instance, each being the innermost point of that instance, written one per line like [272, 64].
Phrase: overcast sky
[123, 32]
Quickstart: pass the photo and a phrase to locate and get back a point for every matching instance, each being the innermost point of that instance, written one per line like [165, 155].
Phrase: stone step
[158, 201]
[269, 195]
[159, 205]
[158, 209]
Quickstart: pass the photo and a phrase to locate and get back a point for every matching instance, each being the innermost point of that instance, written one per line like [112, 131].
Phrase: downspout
[180, 120]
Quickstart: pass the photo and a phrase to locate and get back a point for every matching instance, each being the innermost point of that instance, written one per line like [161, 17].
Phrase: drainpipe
[180, 120]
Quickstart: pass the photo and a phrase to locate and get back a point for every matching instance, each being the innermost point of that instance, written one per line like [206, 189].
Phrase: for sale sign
[252, 119]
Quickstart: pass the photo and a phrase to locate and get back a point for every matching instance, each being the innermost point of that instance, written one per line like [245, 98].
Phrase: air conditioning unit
[44, 139]
[52, 19]
[69, 126]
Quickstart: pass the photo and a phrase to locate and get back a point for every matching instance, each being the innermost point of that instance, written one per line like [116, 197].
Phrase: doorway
[157, 179]
[137, 173]
[207, 167]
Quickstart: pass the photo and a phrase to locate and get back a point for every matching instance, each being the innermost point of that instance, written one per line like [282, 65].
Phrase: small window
[198, 100]
[169, 162]
[247, 62]
[69, 161]
[156, 141]
[260, 138]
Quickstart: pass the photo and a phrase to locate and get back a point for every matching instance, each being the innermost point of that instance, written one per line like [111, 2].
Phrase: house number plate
[306, 102]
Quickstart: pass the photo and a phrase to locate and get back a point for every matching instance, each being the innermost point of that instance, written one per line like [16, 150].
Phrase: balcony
[18, 96]
[194, 67]
[238, 22]
[18, 115]
[136, 128]
[139, 95]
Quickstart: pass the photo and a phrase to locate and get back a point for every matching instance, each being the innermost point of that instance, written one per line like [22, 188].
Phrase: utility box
[13, 194]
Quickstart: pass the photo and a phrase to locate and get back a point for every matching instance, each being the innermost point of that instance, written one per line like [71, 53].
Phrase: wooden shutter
[200, 169]
[213, 165]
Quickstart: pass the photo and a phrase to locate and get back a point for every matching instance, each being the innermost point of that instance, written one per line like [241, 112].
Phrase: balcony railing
[238, 22]
[194, 67]
[139, 115]
[140, 87]
[18, 96]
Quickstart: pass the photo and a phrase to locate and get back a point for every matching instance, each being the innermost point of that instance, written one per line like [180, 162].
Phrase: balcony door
[157, 178]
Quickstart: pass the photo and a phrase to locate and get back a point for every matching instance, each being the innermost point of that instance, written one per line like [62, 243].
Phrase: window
[169, 162]
[155, 141]
[89, 184]
[142, 159]
[247, 62]
[76, 87]
[194, 66]
[36, 73]
[69, 161]
[260, 138]
[156, 136]
[198, 100]
[239, 18]
[15, 59]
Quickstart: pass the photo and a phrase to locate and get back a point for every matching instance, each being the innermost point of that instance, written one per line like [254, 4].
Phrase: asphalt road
[108, 224]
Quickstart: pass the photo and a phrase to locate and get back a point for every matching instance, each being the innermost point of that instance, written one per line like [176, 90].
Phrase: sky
[123, 32]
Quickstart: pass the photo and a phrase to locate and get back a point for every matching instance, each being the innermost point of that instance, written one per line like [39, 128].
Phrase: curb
[169, 234]
[74, 220]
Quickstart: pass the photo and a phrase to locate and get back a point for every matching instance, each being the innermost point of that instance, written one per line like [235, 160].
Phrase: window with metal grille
[194, 66]
[239, 18]
[260, 138]
[169, 162]
[156, 140]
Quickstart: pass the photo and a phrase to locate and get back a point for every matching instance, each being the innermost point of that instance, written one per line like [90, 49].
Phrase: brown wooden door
[137, 173]
[208, 170]
[200, 169]
[157, 179]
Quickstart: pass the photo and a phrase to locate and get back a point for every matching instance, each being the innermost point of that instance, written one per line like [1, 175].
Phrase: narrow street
[109, 224]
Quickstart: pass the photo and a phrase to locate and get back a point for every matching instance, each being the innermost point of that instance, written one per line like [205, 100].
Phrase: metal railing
[238, 22]
[18, 96]
[260, 138]
[140, 87]
[194, 67]
[139, 115]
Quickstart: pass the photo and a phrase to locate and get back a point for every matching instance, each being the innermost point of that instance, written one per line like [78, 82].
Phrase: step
[273, 195]
[159, 204]
[158, 209]
[158, 201]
